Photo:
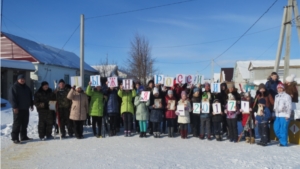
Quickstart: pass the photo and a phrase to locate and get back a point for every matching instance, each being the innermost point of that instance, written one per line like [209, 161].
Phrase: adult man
[64, 106]
[272, 83]
[20, 98]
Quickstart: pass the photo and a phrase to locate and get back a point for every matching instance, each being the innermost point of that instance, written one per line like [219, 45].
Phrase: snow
[135, 152]
[107, 70]
[48, 54]
[271, 63]
[17, 64]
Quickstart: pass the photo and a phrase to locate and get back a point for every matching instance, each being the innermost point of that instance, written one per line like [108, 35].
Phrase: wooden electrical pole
[82, 49]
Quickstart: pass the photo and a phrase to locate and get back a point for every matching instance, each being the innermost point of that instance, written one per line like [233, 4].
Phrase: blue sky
[183, 37]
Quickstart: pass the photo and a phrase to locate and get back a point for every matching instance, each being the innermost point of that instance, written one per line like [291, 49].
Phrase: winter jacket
[232, 114]
[186, 118]
[113, 106]
[96, 104]
[265, 117]
[217, 117]
[142, 111]
[178, 89]
[20, 96]
[271, 86]
[127, 105]
[42, 98]
[80, 105]
[292, 91]
[61, 97]
[156, 114]
[170, 114]
[283, 105]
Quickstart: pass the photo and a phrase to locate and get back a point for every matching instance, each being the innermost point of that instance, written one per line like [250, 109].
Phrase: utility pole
[82, 49]
[212, 71]
[1, 8]
[286, 29]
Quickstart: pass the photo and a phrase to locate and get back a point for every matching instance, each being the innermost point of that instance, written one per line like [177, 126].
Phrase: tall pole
[1, 15]
[281, 38]
[82, 49]
[297, 17]
[212, 71]
[288, 39]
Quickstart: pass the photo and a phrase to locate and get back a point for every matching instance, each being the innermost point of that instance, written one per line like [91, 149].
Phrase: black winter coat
[156, 114]
[20, 96]
[42, 98]
[113, 106]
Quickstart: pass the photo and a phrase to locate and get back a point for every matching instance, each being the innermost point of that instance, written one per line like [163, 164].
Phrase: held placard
[180, 110]
[76, 81]
[145, 95]
[217, 108]
[196, 108]
[231, 105]
[112, 82]
[245, 107]
[205, 107]
[127, 84]
[168, 81]
[95, 80]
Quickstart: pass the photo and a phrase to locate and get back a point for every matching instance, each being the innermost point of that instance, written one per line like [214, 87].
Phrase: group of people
[271, 106]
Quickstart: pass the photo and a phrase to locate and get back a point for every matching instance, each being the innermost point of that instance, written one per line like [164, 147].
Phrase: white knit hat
[77, 87]
[290, 78]
[155, 90]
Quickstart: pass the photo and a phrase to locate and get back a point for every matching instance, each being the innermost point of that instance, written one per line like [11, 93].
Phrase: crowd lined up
[270, 109]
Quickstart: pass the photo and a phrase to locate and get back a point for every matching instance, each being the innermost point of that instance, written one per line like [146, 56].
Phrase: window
[67, 79]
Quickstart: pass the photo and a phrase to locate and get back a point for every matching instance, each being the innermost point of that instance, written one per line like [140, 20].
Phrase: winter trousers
[281, 130]
[143, 125]
[205, 124]
[263, 129]
[113, 122]
[183, 130]
[164, 120]
[171, 122]
[127, 120]
[224, 124]
[156, 126]
[232, 128]
[196, 124]
[20, 123]
[97, 120]
[64, 116]
[45, 123]
[78, 128]
[217, 127]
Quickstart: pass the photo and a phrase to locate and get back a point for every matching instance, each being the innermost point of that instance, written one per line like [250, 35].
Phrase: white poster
[95, 80]
[145, 95]
[245, 106]
[52, 105]
[171, 104]
[158, 79]
[216, 87]
[157, 103]
[127, 84]
[196, 108]
[180, 110]
[189, 80]
[180, 78]
[198, 79]
[76, 81]
[168, 81]
[205, 107]
[217, 108]
[112, 82]
[231, 105]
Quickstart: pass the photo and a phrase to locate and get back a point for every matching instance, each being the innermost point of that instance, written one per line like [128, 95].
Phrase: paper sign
[196, 108]
[145, 95]
[205, 107]
[158, 79]
[52, 105]
[157, 103]
[180, 78]
[168, 81]
[112, 82]
[189, 80]
[76, 80]
[127, 84]
[198, 79]
[96, 80]
[245, 107]
[171, 104]
[217, 108]
[231, 105]
[180, 110]
[216, 87]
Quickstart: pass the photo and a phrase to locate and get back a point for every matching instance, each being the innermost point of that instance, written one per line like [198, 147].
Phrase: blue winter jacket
[113, 102]
[271, 87]
[265, 118]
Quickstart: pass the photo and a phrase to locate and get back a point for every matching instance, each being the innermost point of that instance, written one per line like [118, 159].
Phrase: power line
[247, 30]
[205, 67]
[137, 10]
[183, 63]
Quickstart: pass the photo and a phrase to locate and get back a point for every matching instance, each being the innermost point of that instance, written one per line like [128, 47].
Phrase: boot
[252, 140]
[129, 133]
[110, 133]
[192, 130]
[141, 134]
[181, 134]
[208, 137]
[247, 139]
[169, 131]
[125, 133]
[201, 137]
[217, 137]
[185, 134]
[158, 135]
[220, 138]
[172, 131]
[145, 134]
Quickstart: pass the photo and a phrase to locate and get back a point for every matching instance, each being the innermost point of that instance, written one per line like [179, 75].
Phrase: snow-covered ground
[135, 152]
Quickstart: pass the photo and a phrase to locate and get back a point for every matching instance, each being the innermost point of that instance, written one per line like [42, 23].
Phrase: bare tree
[140, 61]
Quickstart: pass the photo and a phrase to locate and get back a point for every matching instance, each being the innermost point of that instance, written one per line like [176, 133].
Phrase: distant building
[51, 64]
[217, 77]
[241, 75]
[226, 75]
[106, 70]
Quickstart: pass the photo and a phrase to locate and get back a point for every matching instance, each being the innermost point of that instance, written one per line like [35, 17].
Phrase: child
[248, 125]
[261, 120]
[282, 107]
[79, 109]
[196, 117]
[232, 115]
[127, 108]
[142, 113]
[205, 119]
[217, 120]
[170, 112]
[157, 110]
[184, 120]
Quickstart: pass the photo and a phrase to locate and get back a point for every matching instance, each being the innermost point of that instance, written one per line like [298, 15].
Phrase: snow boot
[181, 134]
[209, 138]
[169, 131]
[252, 140]
[201, 137]
[129, 133]
[247, 139]
[172, 131]
[125, 133]
[141, 134]
[185, 134]
[145, 135]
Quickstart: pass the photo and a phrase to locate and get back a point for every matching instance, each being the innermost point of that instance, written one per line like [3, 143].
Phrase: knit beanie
[280, 86]
[290, 78]
[61, 81]
[21, 76]
[44, 83]
[196, 89]
[77, 87]
[230, 85]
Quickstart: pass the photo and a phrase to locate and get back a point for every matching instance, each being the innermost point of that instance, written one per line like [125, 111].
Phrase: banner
[180, 78]
[127, 84]
[145, 96]
[112, 81]
[158, 79]
[76, 81]
[168, 81]
[95, 80]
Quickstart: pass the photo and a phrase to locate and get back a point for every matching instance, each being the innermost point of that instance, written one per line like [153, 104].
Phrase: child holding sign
[247, 118]
[261, 120]
[184, 120]
[196, 116]
[127, 109]
[113, 109]
[217, 119]
[157, 110]
[205, 117]
[170, 112]
[142, 112]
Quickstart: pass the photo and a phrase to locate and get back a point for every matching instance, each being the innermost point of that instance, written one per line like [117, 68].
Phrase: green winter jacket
[127, 105]
[96, 105]
[142, 110]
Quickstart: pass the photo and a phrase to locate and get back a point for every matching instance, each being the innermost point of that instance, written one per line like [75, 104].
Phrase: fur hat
[262, 101]
[170, 91]
[155, 90]
[290, 78]
[280, 86]
[231, 96]
[44, 83]
[21, 76]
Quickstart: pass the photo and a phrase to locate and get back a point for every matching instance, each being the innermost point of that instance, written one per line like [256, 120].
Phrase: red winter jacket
[170, 114]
